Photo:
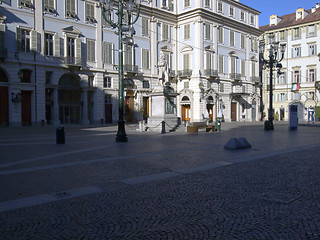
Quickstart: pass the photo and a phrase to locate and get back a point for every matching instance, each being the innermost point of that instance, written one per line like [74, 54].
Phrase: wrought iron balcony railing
[73, 61]
[210, 73]
[235, 76]
[185, 73]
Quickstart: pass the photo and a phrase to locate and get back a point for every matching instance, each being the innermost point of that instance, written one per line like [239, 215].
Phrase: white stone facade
[69, 60]
[297, 85]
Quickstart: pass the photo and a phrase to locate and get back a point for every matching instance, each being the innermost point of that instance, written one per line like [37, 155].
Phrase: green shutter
[78, 47]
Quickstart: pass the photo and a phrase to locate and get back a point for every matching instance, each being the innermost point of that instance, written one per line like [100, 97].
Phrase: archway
[185, 109]
[69, 99]
[4, 99]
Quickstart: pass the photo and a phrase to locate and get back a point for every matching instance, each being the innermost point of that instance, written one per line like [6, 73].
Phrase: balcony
[210, 73]
[73, 61]
[255, 80]
[235, 76]
[130, 69]
[172, 74]
[185, 73]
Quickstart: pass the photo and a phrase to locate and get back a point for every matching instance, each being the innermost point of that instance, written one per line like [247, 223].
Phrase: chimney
[317, 5]
[313, 9]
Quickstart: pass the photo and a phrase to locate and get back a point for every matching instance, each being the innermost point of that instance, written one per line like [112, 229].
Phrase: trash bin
[218, 125]
[60, 137]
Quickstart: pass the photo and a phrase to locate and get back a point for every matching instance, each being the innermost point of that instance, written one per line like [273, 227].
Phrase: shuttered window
[91, 50]
[186, 61]
[2, 36]
[145, 26]
[145, 59]
[165, 32]
[107, 53]
[186, 31]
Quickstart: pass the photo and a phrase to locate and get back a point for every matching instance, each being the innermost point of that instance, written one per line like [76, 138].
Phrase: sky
[279, 7]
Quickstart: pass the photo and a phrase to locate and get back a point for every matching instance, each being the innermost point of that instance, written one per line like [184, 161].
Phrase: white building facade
[67, 59]
[297, 85]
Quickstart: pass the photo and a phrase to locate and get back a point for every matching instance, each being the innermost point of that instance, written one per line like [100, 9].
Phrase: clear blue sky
[279, 7]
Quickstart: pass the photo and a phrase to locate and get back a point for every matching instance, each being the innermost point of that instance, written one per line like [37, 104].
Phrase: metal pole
[121, 134]
[270, 117]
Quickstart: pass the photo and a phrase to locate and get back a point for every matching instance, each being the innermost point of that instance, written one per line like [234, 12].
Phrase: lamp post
[273, 61]
[123, 29]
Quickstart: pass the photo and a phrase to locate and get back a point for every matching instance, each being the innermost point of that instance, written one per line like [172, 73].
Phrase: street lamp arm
[108, 17]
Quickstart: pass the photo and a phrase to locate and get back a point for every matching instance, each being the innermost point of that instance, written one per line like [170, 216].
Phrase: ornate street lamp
[123, 29]
[275, 57]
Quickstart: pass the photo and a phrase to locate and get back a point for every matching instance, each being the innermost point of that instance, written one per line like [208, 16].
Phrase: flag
[295, 86]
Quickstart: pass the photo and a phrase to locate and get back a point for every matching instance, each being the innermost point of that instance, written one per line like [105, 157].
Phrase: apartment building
[297, 83]
[59, 61]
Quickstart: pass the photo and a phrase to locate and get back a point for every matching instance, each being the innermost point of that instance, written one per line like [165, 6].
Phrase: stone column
[55, 114]
[85, 119]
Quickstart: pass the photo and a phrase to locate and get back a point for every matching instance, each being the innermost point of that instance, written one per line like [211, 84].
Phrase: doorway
[185, 112]
[233, 111]
[4, 106]
[129, 107]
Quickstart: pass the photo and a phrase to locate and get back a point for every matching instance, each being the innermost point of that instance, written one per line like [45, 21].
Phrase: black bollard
[60, 137]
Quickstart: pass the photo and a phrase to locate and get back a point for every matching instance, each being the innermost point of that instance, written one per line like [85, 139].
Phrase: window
[186, 84]
[107, 53]
[243, 68]
[145, 26]
[186, 61]
[128, 55]
[296, 33]
[253, 70]
[252, 19]
[145, 59]
[208, 60]
[233, 65]
[186, 3]
[242, 16]
[48, 77]
[91, 50]
[207, 31]
[26, 4]
[220, 34]
[221, 87]
[71, 9]
[49, 6]
[312, 30]
[73, 50]
[254, 45]
[165, 32]
[145, 84]
[312, 49]
[282, 97]
[296, 52]
[232, 38]
[283, 35]
[107, 82]
[221, 67]
[231, 11]
[71, 47]
[187, 31]
[207, 3]
[282, 78]
[48, 45]
[90, 16]
[23, 40]
[243, 41]
[296, 76]
[220, 7]
[311, 75]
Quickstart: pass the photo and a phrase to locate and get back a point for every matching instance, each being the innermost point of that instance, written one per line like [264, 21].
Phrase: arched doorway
[69, 99]
[185, 109]
[4, 99]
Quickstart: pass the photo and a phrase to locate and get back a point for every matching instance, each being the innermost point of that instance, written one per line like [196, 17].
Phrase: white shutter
[56, 47]
[34, 40]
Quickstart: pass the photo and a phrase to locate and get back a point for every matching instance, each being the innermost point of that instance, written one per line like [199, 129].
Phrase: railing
[73, 61]
[185, 73]
[210, 73]
[130, 68]
[235, 76]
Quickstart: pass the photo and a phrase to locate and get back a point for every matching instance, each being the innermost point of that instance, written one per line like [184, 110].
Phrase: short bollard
[60, 137]
[163, 127]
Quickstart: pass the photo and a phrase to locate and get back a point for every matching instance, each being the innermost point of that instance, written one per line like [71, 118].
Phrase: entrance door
[210, 110]
[26, 108]
[233, 111]
[108, 113]
[129, 107]
[4, 106]
[185, 112]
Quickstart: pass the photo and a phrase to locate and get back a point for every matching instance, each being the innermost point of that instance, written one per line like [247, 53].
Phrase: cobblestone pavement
[160, 186]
